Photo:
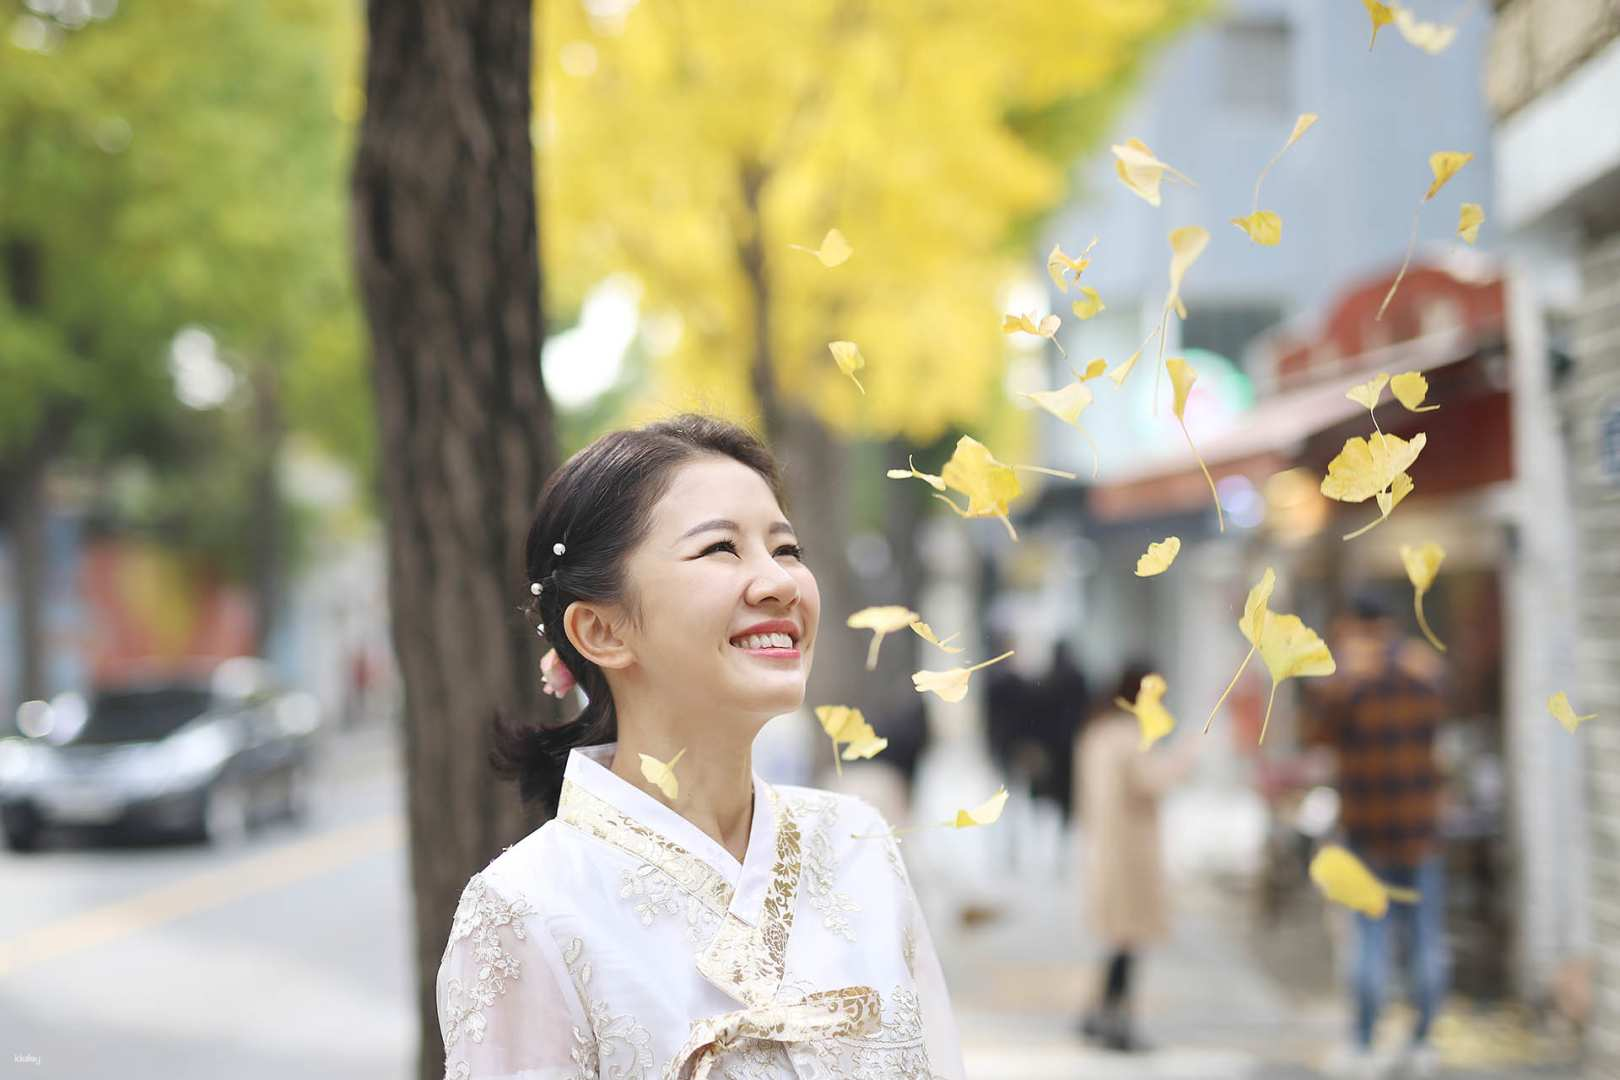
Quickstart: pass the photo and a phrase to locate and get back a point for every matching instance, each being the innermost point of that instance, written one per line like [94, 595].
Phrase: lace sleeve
[506, 1008]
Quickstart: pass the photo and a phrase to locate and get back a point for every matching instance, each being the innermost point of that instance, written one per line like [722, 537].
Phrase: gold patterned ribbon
[853, 1010]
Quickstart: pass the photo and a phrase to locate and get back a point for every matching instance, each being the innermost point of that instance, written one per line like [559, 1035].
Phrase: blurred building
[1277, 336]
[1553, 87]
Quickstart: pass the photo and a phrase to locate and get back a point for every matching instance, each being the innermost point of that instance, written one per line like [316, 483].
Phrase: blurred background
[300, 301]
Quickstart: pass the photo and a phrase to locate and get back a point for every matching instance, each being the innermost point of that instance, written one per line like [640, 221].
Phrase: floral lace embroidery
[897, 1050]
[615, 1034]
[819, 872]
[656, 893]
[480, 913]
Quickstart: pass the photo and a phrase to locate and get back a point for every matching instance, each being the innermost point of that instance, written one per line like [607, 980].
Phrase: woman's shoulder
[803, 802]
[514, 882]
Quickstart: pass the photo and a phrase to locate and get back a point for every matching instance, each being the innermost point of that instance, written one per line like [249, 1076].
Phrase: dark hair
[1131, 675]
[599, 504]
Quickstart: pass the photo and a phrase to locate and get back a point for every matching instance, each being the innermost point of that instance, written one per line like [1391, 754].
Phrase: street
[290, 957]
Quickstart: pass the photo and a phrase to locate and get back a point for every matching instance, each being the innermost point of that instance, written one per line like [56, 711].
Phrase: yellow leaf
[1366, 395]
[1381, 15]
[1186, 244]
[846, 725]
[661, 774]
[1093, 369]
[881, 621]
[1432, 38]
[1301, 126]
[1141, 171]
[1469, 218]
[951, 684]
[834, 250]
[1444, 164]
[1089, 304]
[849, 358]
[1345, 879]
[1288, 647]
[1367, 466]
[926, 632]
[1422, 565]
[1059, 264]
[1046, 328]
[1159, 556]
[1263, 226]
[1119, 373]
[1067, 403]
[1410, 388]
[1564, 712]
[1182, 377]
[1154, 719]
[989, 484]
[933, 481]
[985, 813]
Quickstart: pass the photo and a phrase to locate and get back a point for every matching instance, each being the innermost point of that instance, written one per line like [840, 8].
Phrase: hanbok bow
[853, 1010]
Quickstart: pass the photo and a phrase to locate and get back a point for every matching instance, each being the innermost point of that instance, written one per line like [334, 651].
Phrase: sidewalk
[1215, 1000]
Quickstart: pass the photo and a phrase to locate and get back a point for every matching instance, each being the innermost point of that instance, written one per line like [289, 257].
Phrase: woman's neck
[716, 782]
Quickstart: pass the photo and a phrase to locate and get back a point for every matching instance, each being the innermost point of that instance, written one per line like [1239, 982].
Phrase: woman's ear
[593, 630]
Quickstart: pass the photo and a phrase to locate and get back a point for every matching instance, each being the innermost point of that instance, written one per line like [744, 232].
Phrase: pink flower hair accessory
[558, 680]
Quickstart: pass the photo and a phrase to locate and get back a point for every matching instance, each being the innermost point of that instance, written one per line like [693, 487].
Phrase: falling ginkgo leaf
[1182, 377]
[657, 772]
[985, 813]
[1097, 367]
[1263, 226]
[952, 684]
[1422, 565]
[1345, 879]
[1046, 328]
[926, 632]
[1410, 388]
[849, 358]
[1444, 165]
[846, 727]
[1067, 403]
[1124, 369]
[1186, 244]
[1058, 265]
[1159, 556]
[1148, 708]
[1089, 304]
[834, 250]
[1470, 216]
[1289, 648]
[1141, 171]
[1367, 394]
[1381, 16]
[1564, 712]
[1371, 467]
[990, 485]
[880, 620]
[911, 470]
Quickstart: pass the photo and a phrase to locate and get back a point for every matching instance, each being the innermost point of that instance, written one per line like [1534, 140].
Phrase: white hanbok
[620, 941]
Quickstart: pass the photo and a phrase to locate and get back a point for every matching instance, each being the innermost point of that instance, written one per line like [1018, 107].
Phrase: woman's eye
[792, 549]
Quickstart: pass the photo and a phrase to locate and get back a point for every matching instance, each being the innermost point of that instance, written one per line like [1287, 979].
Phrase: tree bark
[268, 539]
[447, 250]
[23, 513]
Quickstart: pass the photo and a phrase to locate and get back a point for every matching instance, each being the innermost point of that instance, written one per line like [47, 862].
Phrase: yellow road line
[199, 892]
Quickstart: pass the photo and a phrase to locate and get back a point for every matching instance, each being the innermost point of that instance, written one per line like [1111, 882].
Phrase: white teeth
[761, 641]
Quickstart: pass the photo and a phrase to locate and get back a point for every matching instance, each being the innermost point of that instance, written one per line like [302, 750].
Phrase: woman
[728, 927]
[1120, 786]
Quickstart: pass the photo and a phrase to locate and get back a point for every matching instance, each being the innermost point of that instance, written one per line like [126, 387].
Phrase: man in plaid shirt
[1380, 713]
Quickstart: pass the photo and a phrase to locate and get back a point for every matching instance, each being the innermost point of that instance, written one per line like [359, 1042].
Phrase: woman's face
[720, 559]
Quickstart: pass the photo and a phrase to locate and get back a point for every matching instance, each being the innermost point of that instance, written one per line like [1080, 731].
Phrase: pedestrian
[1062, 702]
[1120, 788]
[1380, 713]
[679, 915]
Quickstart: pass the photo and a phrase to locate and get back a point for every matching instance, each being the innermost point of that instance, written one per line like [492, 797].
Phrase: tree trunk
[23, 513]
[268, 537]
[448, 241]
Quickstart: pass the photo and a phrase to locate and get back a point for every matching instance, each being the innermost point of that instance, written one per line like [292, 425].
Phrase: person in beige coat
[1120, 787]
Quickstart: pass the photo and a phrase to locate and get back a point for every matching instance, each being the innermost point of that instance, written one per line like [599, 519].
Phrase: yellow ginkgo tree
[1289, 648]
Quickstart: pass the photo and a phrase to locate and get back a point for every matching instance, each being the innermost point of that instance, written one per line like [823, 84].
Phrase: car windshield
[146, 715]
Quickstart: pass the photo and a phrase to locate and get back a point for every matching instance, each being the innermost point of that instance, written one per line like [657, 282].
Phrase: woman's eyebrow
[726, 523]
